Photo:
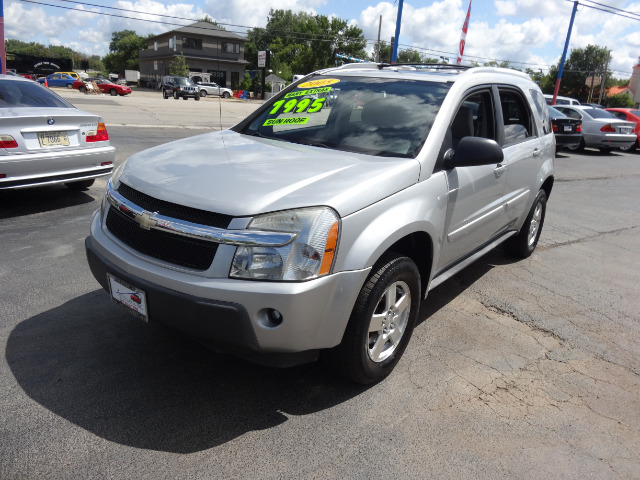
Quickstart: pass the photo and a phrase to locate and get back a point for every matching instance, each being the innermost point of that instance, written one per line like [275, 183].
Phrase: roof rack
[407, 66]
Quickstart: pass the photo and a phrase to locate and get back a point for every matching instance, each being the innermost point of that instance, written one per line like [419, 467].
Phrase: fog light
[275, 317]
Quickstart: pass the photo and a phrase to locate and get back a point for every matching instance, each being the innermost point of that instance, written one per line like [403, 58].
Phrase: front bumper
[232, 315]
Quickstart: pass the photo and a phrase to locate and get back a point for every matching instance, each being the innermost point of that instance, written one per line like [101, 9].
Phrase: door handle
[499, 170]
[536, 152]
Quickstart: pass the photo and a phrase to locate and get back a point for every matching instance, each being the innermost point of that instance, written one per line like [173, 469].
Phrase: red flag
[463, 35]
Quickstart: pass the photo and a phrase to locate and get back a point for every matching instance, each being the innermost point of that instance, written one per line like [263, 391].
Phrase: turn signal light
[7, 141]
[608, 128]
[99, 135]
[330, 250]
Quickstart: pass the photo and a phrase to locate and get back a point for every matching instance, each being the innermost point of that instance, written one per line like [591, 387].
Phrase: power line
[297, 36]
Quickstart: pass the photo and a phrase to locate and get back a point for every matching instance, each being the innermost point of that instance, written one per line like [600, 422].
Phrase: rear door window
[516, 117]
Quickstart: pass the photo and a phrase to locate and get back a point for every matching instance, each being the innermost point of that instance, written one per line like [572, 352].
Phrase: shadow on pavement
[95, 365]
[26, 201]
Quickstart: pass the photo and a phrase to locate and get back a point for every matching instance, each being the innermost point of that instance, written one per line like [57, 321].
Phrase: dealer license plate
[568, 128]
[625, 129]
[128, 296]
[53, 139]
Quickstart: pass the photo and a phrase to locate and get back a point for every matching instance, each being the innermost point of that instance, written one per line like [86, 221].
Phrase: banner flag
[463, 35]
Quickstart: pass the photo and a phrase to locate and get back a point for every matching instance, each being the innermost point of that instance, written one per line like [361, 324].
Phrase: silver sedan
[211, 88]
[45, 140]
[600, 129]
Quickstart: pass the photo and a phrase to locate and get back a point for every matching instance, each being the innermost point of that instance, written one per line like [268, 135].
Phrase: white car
[45, 140]
[211, 88]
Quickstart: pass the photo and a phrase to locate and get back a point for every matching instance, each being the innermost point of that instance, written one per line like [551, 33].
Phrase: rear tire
[579, 148]
[164, 94]
[81, 185]
[381, 322]
[70, 86]
[203, 93]
[113, 92]
[83, 90]
[525, 241]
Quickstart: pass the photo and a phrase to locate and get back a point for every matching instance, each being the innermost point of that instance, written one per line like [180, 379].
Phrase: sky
[527, 33]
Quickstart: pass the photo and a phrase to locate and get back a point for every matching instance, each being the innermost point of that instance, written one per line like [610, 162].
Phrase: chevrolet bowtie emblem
[146, 220]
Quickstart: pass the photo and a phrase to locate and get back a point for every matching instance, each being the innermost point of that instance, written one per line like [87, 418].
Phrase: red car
[104, 85]
[630, 115]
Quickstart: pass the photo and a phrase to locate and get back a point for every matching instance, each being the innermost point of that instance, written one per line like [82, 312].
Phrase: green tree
[210, 20]
[621, 100]
[178, 66]
[303, 42]
[582, 63]
[123, 51]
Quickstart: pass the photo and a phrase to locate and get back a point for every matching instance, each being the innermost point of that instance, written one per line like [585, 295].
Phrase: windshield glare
[374, 116]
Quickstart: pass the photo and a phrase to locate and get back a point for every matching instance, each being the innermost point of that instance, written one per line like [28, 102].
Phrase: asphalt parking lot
[525, 369]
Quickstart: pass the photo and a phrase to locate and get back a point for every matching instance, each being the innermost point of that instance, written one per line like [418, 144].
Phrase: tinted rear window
[28, 94]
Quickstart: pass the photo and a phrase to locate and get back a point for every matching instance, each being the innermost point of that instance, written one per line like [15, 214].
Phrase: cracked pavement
[526, 369]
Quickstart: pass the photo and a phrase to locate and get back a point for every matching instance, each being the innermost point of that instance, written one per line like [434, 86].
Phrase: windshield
[368, 115]
[183, 81]
[16, 93]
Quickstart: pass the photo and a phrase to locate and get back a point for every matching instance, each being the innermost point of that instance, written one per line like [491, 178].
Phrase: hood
[238, 175]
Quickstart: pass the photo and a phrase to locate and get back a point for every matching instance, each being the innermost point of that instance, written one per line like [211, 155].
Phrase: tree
[621, 100]
[210, 20]
[178, 66]
[582, 63]
[303, 42]
[123, 51]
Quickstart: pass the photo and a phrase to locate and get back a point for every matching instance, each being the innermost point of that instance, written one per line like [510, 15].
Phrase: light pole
[564, 54]
[394, 54]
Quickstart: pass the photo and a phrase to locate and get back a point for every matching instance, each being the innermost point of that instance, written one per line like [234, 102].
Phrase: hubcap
[534, 226]
[389, 321]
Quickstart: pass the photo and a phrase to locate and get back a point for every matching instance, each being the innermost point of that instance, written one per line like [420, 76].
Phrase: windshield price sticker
[296, 106]
[319, 83]
[285, 121]
[313, 91]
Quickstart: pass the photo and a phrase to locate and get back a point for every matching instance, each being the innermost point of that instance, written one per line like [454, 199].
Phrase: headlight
[115, 176]
[310, 255]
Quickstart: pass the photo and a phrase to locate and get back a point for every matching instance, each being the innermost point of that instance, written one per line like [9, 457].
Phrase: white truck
[132, 77]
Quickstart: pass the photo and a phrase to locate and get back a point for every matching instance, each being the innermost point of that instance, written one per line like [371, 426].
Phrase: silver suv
[316, 228]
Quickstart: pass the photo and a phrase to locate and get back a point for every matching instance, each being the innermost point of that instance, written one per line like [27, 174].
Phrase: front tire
[524, 243]
[70, 86]
[164, 94]
[197, 97]
[381, 322]
[225, 95]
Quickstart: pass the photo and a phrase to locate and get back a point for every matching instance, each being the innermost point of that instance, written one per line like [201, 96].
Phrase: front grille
[169, 247]
[174, 210]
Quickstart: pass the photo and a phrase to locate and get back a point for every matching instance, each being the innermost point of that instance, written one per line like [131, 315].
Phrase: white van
[561, 100]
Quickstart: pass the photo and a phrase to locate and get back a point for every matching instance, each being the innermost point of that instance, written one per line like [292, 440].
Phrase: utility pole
[377, 44]
[3, 53]
[394, 51]
[604, 77]
[564, 53]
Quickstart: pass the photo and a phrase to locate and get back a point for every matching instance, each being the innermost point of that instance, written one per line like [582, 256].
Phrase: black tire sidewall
[518, 245]
[355, 360]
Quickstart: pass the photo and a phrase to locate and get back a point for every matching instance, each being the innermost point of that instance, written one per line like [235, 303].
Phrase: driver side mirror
[472, 152]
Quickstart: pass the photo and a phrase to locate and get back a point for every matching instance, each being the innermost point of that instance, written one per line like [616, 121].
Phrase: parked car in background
[58, 80]
[561, 100]
[211, 88]
[630, 115]
[104, 85]
[310, 230]
[45, 140]
[600, 129]
[179, 87]
[568, 131]
[71, 74]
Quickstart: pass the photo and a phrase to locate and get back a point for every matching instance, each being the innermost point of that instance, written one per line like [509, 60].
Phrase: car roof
[15, 78]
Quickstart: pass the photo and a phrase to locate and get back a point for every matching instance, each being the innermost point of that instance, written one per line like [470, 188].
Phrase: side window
[541, 107]
[516, 117]
[475, 118]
